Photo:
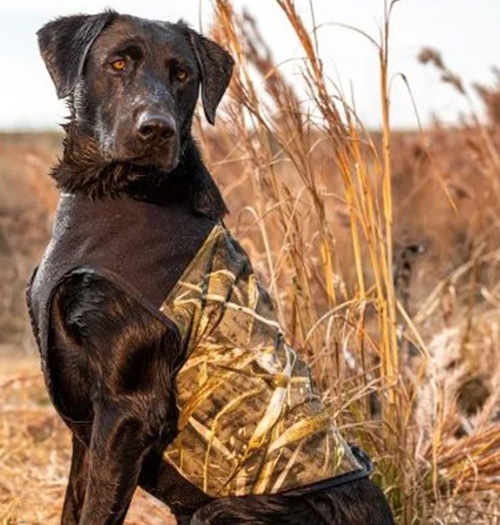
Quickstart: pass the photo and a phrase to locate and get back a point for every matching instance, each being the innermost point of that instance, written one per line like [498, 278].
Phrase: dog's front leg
[113, 366]
[77, 484]
[119, 441]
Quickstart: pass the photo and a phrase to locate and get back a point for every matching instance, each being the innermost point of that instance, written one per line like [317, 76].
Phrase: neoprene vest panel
[250, 422]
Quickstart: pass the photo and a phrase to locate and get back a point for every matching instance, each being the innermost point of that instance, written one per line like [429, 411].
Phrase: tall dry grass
[315, 201]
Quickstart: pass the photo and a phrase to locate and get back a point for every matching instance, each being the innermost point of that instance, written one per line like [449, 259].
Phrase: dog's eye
[181, 74]
[119, 65]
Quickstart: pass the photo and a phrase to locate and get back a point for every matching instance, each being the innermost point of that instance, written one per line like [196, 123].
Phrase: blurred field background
[381, 249]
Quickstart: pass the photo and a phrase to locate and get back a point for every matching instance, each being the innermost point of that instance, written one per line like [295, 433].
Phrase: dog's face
[139, 91]
[134, 83]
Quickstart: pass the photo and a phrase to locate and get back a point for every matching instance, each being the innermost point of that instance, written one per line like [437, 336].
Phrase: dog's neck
[85, 171]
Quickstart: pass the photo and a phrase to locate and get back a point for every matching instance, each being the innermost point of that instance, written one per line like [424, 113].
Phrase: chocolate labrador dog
[160, 349]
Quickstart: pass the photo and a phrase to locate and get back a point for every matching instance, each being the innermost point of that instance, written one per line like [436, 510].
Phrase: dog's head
[133, 83]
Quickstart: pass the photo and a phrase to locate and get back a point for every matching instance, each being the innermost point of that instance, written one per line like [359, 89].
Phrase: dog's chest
[140, 246]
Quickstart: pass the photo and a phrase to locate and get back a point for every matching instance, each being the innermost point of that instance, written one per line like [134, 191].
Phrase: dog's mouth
[164, 157]
[162, 162]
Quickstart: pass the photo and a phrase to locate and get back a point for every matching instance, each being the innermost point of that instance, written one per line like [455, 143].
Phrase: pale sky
[466, 32]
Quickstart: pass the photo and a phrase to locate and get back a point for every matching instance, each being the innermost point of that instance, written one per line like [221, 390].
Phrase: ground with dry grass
[381, 250]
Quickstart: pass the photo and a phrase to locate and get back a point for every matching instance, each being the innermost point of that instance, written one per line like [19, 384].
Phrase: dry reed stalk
[370, 227]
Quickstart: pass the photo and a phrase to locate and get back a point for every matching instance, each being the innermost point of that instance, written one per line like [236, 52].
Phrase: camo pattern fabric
[250, 422]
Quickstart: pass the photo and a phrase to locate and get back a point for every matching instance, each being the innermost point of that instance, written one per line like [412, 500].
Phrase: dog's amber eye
[118, 65]
[181, 74]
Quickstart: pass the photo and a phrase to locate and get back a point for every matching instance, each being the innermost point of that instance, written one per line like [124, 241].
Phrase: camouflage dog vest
[250, 422]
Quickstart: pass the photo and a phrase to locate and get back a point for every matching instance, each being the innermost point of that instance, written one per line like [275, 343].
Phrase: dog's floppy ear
[216, 67]
[64, 44]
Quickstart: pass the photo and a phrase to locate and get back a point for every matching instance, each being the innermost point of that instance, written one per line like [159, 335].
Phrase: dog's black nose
[152, 126]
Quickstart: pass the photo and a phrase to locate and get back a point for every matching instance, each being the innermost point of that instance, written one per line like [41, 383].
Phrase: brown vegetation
[381, 250]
